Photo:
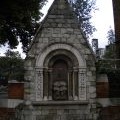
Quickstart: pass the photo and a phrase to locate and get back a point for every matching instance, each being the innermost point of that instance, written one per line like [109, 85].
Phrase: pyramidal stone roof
[60, 26]
[61, 13]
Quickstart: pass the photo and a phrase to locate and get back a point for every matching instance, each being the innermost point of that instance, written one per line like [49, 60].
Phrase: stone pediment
[59, 26]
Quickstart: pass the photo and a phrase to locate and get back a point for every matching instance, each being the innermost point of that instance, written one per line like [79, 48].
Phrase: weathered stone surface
[60, 38]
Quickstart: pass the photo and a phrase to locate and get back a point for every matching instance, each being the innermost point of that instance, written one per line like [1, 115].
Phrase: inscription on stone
[82, 84]
[39, 85]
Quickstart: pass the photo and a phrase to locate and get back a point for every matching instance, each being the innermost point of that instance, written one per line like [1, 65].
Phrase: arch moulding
[40, 65]
[41, 57]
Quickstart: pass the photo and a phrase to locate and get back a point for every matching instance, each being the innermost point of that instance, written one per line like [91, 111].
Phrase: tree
[83, 9]
[108, 63]
[110, 48]
[12, 54]
[111, 36]
[19, 21]
[12, 66]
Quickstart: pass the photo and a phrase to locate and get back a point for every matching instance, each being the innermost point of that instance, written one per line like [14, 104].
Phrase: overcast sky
[102, 20]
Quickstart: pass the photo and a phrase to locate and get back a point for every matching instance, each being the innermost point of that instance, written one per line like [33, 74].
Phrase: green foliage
[108, 63]
[12, 67]
[18, 19]
[110, 52]
[111, 36]
[83, 10]
[12, 54]
[110, 48]
[106, 66]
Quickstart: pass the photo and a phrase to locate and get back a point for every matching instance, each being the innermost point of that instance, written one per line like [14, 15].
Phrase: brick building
[116, 10]
[10, 98]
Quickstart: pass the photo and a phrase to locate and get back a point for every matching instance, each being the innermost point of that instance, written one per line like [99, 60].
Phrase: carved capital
[39, 71]
[50, 70]
[82, 70]
[75, 69]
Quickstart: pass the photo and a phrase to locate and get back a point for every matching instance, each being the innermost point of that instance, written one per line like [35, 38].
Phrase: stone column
[50, 82]
[75, 83]
[70, 84]
[27, 87]
[82, 83]
[45, 84]
[39, 84]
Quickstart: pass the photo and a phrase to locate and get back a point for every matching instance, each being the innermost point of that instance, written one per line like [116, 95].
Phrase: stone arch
[58, 46]
[61, 54]
[58, 73]
[75, 63]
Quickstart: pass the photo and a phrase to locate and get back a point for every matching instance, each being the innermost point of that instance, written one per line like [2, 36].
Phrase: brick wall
[15, 90]
[102, 86]
[6, 113]
[116, 9]
[110, 113]
[102, 90]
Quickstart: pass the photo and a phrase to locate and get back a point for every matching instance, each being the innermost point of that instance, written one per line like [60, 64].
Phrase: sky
[102, 20]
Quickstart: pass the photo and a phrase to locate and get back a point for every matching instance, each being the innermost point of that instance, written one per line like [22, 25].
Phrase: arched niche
[59, 78]
[65, 61]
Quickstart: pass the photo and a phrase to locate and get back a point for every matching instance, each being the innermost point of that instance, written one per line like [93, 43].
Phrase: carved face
[60, 78]
[60, 90]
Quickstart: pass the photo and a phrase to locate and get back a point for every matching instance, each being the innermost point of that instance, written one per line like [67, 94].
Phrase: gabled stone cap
[61, 15]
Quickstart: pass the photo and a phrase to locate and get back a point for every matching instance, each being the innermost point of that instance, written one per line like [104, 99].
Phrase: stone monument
[60, 78]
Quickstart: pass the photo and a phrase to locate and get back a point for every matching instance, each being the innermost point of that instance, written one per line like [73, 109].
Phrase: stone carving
[39, 84]
[60, 90]
[82, 84]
